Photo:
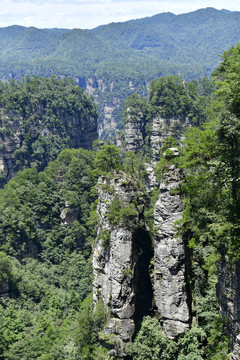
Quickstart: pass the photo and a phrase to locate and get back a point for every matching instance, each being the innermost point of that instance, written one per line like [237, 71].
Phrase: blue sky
[87, 14]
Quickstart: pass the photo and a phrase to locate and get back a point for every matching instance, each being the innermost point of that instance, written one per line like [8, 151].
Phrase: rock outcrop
[69, 214]
[169, 258]
[124, 280]
[228, 292]
[134, 131]
[110, 97]
[120, 274]
[109, 121]
[108, 108]
[21, 147]
[136, 134]
[163, 128]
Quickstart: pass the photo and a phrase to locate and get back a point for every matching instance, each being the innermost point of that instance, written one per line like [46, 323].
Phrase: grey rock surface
[119, 268]
[134, 131]
[163, 128]
[69, 214]
[169, 256]
[114, 261]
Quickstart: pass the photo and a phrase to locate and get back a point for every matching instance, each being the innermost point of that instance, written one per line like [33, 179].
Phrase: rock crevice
[134, 274]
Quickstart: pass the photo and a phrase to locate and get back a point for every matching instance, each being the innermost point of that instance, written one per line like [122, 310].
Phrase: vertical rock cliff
[124, 253]
[169, 258]
[78, 133]
[147, 125]
[134, 134]
[121, 258]
[51, 115]
[113, 263]
[163, 128]
[110, 93]
[135, 119]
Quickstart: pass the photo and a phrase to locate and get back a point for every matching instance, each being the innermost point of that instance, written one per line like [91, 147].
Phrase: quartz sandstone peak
[169, 258]
[134, 131]
[124, 251]
[115, 259]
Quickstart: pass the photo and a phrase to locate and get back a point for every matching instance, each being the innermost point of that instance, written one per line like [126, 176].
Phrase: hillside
[132, 254]
[115, 60]
[195, 38]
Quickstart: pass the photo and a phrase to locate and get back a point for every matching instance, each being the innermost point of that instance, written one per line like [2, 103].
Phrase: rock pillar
[169, 255]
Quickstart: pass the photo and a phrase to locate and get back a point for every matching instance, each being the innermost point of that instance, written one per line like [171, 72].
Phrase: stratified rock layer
[134, 131]
[169, 269]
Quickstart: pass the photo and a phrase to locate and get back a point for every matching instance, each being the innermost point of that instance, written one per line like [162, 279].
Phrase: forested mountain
[47, 272]
[131, 252]
[39, 118]
[118, 59]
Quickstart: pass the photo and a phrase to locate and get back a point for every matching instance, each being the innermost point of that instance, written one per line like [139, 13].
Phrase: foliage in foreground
[46, 259]
[151, 343]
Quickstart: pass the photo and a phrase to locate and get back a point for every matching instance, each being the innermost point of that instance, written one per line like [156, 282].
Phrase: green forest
[39, 118]
[48, 218]
[115, 60]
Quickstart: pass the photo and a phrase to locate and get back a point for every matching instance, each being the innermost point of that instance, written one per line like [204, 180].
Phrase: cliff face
[169, 258]
[134, 131]
[108, 95]
[71, 131]
[163, 128]
[9, 143]
[120, 274]
[142, 128]
[170, 298]
[35, 134]
[135, 275]
[108, 108]
[228, 292]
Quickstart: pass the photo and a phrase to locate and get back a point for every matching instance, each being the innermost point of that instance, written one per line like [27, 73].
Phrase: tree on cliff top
[108, 158]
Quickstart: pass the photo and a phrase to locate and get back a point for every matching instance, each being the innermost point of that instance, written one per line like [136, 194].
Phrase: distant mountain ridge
[206, 31]
[178, 39]
[112, 61]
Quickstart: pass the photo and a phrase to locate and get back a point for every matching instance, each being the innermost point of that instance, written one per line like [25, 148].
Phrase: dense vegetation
[137, 45]
[46, 259]
[171, 97]
[210, 225]
[47, 231]
[118, 59]
[211, 163]
[42, 116]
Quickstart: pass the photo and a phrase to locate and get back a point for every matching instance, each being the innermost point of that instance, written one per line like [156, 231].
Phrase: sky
[87, 14]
